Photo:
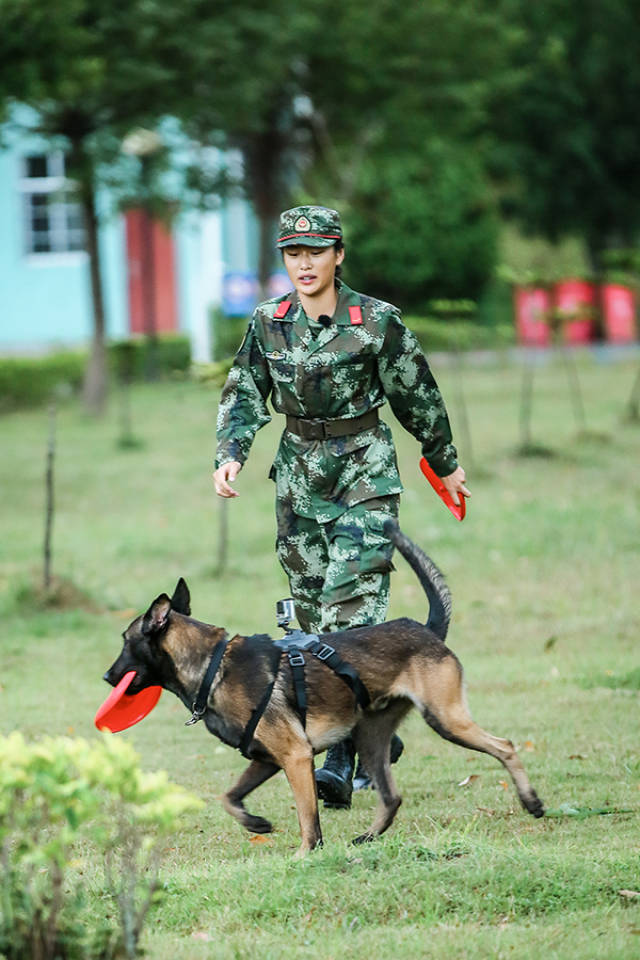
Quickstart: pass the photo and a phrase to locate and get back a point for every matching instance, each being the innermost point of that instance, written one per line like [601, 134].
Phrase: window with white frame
[52, 215]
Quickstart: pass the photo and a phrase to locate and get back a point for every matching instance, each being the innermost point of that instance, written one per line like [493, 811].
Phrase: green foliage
[32, 381]
[60, 798]
[171, 353]
[567, 136]
[435, 333]
[420, 226]
[227, 334]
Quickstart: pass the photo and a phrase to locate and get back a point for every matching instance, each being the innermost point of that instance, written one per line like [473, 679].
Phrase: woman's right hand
[225, 475]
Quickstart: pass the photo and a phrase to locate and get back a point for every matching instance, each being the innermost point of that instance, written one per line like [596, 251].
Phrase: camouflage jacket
[344, 370]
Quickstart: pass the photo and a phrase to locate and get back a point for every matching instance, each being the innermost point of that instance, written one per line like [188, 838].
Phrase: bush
[32, 381]
[227, 334]
[62, 798]
[172, 355]
[439, 334]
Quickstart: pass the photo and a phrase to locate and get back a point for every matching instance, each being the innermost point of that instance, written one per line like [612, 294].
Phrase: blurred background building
[178, 273]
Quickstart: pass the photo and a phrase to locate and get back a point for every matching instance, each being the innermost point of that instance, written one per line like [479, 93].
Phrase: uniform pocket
[281, 369]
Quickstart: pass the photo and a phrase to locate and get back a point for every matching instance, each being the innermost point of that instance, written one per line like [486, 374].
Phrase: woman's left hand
[455, 485]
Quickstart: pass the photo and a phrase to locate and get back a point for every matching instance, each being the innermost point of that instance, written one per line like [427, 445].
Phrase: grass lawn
[544, 575]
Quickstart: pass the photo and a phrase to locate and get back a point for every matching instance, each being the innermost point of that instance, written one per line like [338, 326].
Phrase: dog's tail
[430, 577]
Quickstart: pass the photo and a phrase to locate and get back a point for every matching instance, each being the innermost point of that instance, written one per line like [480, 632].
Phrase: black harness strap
[298, 641]
[327, 654]
[296, 662]
[254, 720]
[199, 706]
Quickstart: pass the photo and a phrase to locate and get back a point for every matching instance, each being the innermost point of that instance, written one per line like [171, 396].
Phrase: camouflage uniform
[333, 495]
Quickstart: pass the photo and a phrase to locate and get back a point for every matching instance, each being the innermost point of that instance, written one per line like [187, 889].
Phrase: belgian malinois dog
[401, 663]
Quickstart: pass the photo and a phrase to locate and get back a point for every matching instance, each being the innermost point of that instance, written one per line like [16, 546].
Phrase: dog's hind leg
[256, 773]
[445, 710]
[372, 738]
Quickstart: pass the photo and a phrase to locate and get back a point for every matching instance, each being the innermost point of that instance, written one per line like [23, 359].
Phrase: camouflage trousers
[338, 571]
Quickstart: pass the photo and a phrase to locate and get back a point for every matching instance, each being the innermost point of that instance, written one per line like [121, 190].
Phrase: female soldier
[329, 358]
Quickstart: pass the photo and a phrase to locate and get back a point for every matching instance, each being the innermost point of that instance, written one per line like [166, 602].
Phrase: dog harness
[295, 643]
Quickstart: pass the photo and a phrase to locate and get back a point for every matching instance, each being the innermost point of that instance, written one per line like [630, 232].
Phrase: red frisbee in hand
[458, 510]
[121, 709]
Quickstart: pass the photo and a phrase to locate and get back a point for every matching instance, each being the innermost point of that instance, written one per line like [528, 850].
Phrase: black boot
[362, 780]
[334, 778]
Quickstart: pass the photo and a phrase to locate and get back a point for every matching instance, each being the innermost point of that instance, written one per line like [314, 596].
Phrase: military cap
[309, 226]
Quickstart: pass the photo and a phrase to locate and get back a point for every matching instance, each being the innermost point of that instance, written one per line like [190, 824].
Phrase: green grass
[544, 576]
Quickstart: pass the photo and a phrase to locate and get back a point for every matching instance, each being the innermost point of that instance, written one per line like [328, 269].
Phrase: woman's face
[312, 269]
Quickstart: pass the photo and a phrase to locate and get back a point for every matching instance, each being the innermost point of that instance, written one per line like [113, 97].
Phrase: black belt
[326, 429]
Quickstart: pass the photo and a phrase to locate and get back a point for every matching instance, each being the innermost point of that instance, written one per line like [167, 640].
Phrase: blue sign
[279, 284]
[239, 294]
[240, 291]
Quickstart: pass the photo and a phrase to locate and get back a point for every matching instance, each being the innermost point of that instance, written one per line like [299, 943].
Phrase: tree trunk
[95, 380]
[49, 498]
[263, 157]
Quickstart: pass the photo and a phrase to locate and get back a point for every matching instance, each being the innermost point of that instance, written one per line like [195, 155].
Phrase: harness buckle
[325, 652]
[296, 659]
[195, 715]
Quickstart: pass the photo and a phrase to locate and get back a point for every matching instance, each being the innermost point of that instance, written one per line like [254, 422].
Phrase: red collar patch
[355, 313]
[283, 310]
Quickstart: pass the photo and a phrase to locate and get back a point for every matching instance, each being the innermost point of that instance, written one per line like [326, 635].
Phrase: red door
[151, 274]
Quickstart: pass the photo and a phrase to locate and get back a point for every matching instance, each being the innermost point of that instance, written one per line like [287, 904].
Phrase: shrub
[440, 334]
[172, 355]
[31, 381]
[60, 798]
[227, 334]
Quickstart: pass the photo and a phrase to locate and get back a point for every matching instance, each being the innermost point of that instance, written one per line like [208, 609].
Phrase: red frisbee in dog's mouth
[458, 510]
[121, 709]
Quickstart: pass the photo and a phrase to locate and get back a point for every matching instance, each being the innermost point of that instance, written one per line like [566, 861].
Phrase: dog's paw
[534, 805]
[364, 838]
[257, 824]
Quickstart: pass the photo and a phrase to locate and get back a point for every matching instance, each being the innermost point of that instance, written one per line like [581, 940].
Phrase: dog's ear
[157, 616]
[181, 599]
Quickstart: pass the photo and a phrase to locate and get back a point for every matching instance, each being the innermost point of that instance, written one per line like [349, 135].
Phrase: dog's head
[143, 649]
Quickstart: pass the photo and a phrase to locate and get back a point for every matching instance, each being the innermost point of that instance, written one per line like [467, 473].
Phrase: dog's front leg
[255, 774]
[298, 768]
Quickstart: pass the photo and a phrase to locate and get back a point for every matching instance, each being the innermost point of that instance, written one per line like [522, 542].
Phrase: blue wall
[45, 299]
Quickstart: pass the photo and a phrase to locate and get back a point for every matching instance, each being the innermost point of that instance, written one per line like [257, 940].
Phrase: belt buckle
[318, 430]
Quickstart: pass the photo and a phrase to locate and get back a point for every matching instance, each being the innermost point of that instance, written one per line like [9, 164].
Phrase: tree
[400, 122]
[242, 88]
[567, 134]
[314, 97]
[420, 224]
[92, 70]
